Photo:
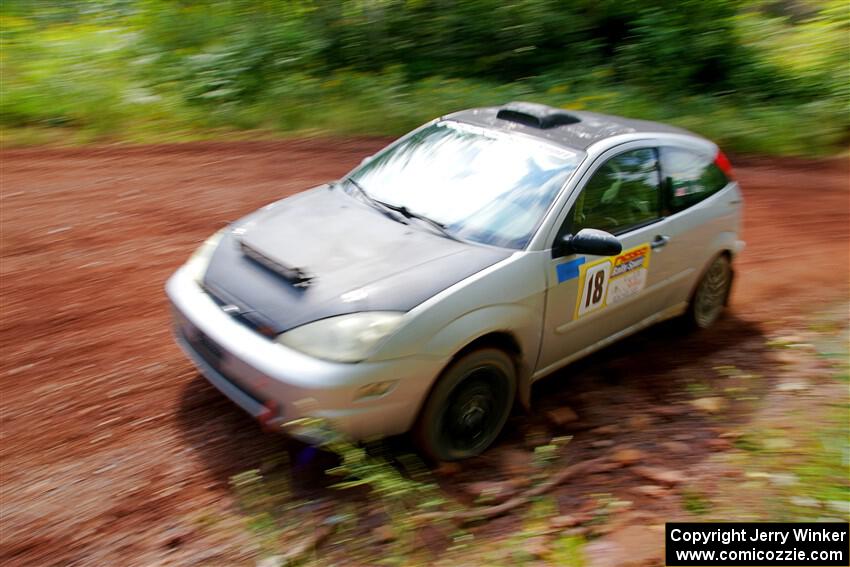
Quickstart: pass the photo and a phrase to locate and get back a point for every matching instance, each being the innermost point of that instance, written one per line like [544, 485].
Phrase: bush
[141, 69]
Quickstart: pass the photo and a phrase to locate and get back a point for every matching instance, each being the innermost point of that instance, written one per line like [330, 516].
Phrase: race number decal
[612, 280]
[594, 287]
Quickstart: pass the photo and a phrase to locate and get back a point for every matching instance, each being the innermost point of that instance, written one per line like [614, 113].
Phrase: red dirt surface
[112, 446]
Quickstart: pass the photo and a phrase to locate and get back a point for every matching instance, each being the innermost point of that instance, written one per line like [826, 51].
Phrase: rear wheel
[468, 406]
[711, 294]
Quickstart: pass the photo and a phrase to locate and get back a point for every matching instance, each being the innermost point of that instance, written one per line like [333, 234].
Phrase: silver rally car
[431, 286]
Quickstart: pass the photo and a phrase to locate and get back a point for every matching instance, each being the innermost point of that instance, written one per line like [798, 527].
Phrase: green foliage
[546, 455]
[265, 505]
[753, 79]
[796, 460]
[400, 488]
[748, 443]
[401, 492]
[568, 550]
[688, 44]
[695, 502]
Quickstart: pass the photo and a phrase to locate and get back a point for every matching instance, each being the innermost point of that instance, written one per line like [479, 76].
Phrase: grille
[208, 350]
[212, 354]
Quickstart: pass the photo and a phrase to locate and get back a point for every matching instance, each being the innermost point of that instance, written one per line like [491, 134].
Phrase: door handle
[660, 241]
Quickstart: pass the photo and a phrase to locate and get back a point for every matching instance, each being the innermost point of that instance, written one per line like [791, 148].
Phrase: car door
[703, 204]
[592, 298]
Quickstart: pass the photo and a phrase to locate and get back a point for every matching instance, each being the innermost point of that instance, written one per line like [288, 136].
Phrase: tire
[711, 294]
[468, 406]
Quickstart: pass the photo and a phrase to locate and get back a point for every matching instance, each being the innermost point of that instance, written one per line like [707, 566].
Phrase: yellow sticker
[612, 280]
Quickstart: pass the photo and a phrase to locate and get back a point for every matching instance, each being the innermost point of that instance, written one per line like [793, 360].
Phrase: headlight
[345, 338]
[200, 259]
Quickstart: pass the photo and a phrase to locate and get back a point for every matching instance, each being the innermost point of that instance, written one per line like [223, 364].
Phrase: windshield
[482, 185]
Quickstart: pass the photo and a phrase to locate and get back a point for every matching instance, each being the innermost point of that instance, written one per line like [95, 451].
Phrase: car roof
[575, 129]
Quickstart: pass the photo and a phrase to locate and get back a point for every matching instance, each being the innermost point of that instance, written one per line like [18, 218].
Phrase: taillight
[721, 161]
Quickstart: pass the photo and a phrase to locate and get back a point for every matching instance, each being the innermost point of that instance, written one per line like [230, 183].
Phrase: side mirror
[590, 241]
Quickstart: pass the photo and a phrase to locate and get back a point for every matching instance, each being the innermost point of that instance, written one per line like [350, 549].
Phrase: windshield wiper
[383, 207]
[402, 210]
[407, 213]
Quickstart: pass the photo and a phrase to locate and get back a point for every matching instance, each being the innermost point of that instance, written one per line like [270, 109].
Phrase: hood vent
[536, 115]
[298, 276]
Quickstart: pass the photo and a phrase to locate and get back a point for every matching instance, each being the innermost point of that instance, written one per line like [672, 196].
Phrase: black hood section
[358, 258]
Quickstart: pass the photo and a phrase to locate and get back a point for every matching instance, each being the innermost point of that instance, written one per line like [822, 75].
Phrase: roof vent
[536, 115]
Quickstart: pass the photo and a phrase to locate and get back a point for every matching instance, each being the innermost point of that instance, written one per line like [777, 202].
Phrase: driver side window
[621, 195]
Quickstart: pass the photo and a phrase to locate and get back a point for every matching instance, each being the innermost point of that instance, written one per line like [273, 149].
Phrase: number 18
[595, 286]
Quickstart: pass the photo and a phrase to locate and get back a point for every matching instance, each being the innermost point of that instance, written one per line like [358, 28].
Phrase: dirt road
[112, 444]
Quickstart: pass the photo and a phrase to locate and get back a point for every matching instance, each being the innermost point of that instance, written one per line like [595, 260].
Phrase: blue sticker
[569, 270]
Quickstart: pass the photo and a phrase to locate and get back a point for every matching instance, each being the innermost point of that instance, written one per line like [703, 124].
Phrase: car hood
[324, 253]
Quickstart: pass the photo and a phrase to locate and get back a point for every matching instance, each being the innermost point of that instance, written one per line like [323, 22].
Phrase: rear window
[689, 177]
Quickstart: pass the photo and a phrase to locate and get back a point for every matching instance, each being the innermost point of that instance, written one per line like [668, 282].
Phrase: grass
[395, 489]
[795, 463]
[350, 103]
[695, 502]
[90, 82]
[823, 474]
[789, 466]
[747, 442]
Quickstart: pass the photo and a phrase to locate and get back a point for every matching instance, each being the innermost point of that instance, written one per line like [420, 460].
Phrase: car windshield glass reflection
[481, 185]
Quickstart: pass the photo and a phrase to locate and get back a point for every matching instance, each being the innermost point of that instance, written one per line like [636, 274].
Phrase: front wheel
[711, 294]
[468, 406]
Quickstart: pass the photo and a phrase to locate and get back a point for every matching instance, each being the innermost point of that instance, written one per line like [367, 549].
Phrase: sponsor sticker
[569, 270]
[612, 280]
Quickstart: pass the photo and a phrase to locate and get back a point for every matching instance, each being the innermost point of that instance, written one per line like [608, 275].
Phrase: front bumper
[276, 384]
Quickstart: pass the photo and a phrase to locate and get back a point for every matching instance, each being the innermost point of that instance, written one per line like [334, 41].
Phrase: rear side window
[689, 177]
